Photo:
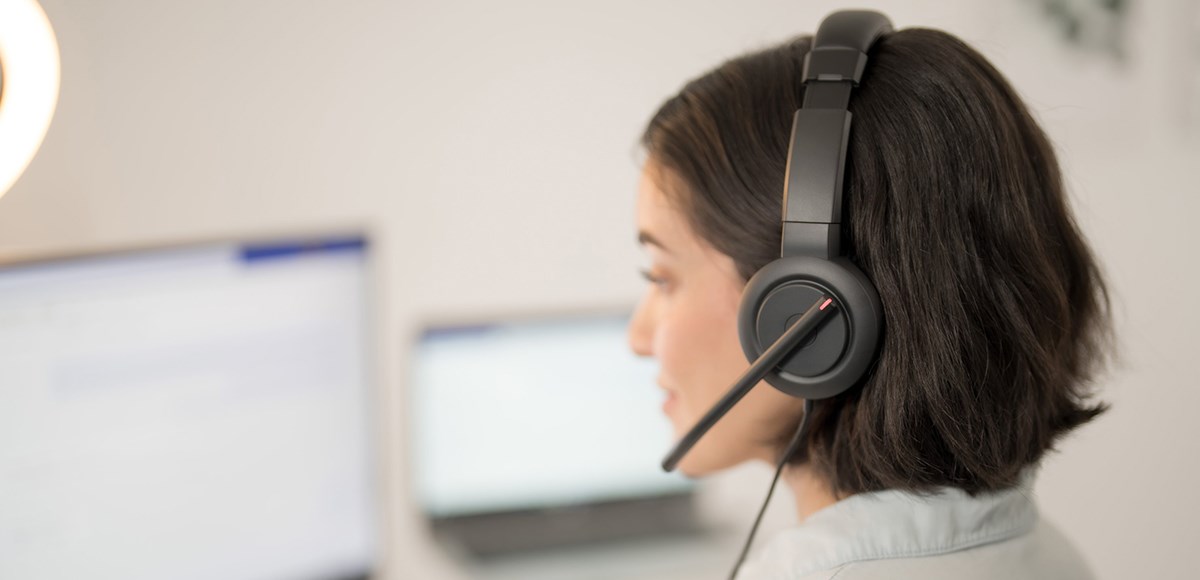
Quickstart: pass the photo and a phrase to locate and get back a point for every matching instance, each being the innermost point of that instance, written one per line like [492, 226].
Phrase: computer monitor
[195, 412]
[536, 431]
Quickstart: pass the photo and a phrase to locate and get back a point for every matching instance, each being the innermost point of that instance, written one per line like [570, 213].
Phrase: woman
[995, 314]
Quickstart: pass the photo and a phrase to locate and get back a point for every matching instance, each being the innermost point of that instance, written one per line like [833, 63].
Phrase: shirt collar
[892, 524]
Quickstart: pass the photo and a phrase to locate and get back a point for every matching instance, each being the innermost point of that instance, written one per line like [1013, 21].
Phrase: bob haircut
[996, 315]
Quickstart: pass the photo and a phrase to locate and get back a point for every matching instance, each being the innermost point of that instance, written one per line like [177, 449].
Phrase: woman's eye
[651, 278]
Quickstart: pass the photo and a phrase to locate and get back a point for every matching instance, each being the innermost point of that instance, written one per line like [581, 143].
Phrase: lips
[670, 402]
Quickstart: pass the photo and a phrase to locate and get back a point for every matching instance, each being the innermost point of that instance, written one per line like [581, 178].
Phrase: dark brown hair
[996, 316]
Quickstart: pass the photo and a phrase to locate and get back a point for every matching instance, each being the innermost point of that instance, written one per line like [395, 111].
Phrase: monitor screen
[196, 412]
[532, 414]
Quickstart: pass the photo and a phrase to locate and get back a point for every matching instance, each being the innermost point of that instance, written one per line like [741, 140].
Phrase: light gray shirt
[895, 534]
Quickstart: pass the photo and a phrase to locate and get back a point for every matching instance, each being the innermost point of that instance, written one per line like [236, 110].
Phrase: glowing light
[29, 78]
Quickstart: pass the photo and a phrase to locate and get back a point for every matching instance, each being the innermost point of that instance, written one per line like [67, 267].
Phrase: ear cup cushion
[842, 348]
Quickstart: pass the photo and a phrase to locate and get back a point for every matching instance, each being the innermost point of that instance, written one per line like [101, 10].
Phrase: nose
[641, 330]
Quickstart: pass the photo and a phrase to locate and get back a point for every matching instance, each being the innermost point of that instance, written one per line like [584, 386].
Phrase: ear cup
[843, 347]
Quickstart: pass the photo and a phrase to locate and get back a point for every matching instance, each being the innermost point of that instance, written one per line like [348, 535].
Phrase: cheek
[698, 351]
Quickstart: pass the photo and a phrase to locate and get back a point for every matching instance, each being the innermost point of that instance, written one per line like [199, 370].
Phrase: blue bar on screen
[274, 251]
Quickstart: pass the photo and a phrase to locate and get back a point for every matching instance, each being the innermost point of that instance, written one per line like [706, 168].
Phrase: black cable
[791, 450]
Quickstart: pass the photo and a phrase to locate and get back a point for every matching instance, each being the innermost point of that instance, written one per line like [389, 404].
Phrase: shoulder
[898, 534]
[1043, 553]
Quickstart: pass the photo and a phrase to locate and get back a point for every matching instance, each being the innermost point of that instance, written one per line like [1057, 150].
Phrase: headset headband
[812, 197]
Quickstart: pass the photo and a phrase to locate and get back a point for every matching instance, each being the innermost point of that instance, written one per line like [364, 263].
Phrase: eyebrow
[644, 237]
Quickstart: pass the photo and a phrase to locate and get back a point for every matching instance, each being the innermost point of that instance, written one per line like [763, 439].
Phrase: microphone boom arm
[769, 359]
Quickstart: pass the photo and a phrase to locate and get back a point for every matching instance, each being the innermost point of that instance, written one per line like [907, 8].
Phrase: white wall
[492, 144]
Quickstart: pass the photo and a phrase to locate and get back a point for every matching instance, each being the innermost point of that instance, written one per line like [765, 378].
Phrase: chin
[678, 428]
[697, 464]
[687, 470]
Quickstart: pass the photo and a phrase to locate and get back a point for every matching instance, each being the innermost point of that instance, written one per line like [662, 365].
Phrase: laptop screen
[532, 414]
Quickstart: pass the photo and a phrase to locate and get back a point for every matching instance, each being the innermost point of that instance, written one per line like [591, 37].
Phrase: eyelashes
[651, 278]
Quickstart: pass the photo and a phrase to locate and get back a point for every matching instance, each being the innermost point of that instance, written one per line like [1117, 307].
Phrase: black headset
[813, 290]
[811, 262]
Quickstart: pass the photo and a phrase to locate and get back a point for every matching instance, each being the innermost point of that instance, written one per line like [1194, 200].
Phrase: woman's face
[687, 319]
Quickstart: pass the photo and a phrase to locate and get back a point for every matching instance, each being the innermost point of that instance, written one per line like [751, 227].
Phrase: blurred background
[278, 290]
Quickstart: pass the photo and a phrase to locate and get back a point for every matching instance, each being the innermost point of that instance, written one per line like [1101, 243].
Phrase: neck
[811, 493]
